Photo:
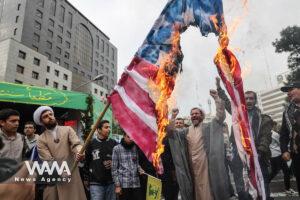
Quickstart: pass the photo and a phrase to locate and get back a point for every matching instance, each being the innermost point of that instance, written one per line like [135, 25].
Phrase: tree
[87, 119]
[290, 43]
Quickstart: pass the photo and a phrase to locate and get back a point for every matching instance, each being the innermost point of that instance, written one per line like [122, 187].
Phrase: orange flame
[164, 83]
[228, 64]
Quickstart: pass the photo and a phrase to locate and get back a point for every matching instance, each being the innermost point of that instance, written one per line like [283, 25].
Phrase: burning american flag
[139, 100]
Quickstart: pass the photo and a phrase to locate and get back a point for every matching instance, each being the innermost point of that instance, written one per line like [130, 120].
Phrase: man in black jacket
[290, 129]
[261, 126]
[98, 164]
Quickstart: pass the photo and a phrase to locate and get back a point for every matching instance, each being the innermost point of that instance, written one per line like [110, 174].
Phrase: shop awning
[25, 94]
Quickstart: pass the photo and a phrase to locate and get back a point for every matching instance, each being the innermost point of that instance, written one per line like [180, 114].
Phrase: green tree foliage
[88, 116]
[289, 42]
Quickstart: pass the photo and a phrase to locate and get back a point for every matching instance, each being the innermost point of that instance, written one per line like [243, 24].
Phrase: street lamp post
[96, 78]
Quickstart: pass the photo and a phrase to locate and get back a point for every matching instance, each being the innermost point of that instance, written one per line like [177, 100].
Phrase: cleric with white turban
[38, 113]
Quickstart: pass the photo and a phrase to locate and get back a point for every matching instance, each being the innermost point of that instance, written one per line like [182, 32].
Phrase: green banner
[25, 94]
[98, 107]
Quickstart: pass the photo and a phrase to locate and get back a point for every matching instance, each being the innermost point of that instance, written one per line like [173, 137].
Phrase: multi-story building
[272, 103]
[57, 32]
[20, 64]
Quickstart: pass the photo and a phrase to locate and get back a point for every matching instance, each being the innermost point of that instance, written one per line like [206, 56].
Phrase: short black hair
[31, 123]
[102, 122]
[7, 112]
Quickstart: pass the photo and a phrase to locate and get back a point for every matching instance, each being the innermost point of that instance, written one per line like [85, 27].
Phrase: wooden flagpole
[88, 139]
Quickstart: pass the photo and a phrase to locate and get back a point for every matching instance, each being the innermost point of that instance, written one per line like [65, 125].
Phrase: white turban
[38, 112]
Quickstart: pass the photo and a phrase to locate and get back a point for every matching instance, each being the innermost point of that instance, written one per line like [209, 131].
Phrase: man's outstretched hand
[214, 94]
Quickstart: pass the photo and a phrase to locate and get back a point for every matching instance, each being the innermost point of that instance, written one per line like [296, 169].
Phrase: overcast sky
[127, 22]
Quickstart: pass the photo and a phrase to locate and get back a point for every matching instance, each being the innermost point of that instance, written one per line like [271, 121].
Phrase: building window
[56, 73]
[57, 60]
[75, 70]
[65, 87]
[102, 67]
[15, 31]
[19, 6]
[58, 50]
[112, 66]
[112, 73]
[60, 29]
[107, 61]
[47, 81]
[97, 54]
[19, 82]
[97, 63]
[67, 66]
[53, 7]
[102, 46]
[55, 85]
[96, 72]
[49, 45]
[40, 3]
[82, 73]
[39, 14]
[17, 19]
[68, 45]
[36, 37]
[59, 39]
[20, 69]
[51, 22]
[37, 25]
[97, 42]
[35, 48]
[68, 34]
[89, 77]
[22, 54]
[83, 47]
[95, 91]
[107, 50]
[112, 54]
[48, 55]
[48, 68]
[67, 55]
[36, 61]
[61, 14]
[50, 33]
[35, 75]
[102, 58]
[65, 77]
[69, 20]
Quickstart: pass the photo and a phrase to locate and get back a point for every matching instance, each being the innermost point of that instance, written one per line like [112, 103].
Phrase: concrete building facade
[59, 32]
[20, 64]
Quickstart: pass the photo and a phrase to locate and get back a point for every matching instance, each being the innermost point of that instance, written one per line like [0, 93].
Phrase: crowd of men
[199, 159]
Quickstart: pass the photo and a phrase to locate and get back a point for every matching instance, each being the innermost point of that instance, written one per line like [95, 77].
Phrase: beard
[196, 122]
[51, 125]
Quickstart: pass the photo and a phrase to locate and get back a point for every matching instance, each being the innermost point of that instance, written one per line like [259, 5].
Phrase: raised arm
[223, 95]
[220, 108]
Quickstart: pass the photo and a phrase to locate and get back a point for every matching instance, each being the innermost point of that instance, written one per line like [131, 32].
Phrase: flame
[228, 65]
[163, 86]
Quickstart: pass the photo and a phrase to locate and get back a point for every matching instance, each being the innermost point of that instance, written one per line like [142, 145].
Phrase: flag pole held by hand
[88, 139]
